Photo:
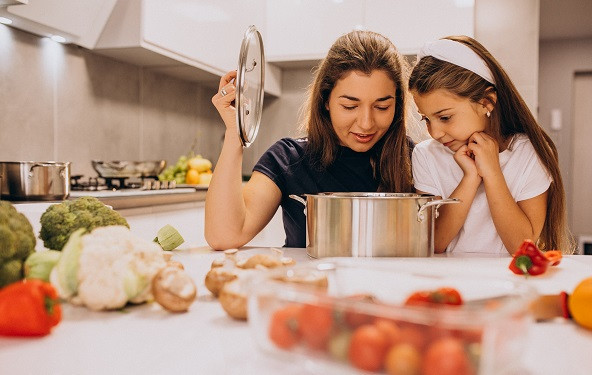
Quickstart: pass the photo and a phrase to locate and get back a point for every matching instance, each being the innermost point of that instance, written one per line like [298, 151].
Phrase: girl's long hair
[366, 52]
[510, 116]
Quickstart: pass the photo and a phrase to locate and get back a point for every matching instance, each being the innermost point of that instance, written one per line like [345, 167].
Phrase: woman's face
[451, 119]
[362, 108]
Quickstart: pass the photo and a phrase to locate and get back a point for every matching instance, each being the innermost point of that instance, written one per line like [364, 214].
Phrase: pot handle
[437, 203]
[299, 199]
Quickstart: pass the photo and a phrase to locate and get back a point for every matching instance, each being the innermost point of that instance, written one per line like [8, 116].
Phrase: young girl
[355, 121]
[487, 150]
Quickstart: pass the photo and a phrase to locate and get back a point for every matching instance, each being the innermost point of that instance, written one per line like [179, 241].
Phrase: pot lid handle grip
[437, 203]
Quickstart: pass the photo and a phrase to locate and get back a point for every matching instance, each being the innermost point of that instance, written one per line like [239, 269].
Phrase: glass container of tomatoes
[371, 317]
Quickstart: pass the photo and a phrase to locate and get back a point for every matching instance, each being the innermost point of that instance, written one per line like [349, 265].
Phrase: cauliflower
[59, 221]
[17, 241]
[107, 268]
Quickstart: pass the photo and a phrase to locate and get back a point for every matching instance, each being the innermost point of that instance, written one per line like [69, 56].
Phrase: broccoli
[61, 220]
[17, 241]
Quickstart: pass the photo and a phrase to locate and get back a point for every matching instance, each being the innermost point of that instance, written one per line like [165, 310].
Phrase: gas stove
[80, 183]
[112, 187]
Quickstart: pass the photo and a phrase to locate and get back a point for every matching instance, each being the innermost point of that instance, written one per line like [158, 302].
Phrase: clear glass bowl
[335, 328]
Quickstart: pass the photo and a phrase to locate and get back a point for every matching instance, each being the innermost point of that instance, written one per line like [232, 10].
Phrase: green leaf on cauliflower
[66, 270]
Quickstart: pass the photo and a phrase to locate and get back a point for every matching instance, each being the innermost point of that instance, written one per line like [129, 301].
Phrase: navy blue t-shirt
[288, 166]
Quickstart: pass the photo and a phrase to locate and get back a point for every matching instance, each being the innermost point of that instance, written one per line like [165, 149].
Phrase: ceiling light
[57, 38]
[6, 21]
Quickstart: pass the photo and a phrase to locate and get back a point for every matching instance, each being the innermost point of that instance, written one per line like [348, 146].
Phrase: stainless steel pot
[34, 181]
[370, 224]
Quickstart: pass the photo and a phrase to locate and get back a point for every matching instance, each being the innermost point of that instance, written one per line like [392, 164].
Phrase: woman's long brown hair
[510, 116]
[366, 52]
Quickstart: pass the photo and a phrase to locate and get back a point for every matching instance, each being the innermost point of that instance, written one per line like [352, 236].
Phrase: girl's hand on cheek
[486, 153]
[464, 159]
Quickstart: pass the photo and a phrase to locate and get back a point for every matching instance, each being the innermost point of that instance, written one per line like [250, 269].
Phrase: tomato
[403, 359]
[440, 296]
[354, 318]
[415, 335]
[447, 356]
[368, 348]
[315, 323]
[390, 329]
[283, 326]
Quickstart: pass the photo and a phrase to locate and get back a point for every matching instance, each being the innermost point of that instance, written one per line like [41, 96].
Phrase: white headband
[458, 54]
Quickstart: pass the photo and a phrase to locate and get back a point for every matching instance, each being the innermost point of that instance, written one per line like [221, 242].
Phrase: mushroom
[221, 272]
[273, 260]
[217, 277]
[173, 289]
[311, 278]
[234, 299]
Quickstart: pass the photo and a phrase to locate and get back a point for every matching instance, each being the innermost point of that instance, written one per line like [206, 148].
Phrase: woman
[355, 122]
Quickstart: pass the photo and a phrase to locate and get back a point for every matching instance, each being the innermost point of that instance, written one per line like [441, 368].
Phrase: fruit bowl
[365, 321]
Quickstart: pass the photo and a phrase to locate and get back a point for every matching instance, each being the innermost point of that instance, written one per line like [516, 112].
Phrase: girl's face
[362, 108]
[451, 119]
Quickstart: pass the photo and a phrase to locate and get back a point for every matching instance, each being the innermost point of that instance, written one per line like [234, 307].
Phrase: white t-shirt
[436, 172]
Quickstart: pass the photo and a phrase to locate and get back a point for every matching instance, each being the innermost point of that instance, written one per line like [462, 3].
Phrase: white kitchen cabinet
[411, 23]
[79, 22]
[196, 40]
[306, 29]
[188, 219]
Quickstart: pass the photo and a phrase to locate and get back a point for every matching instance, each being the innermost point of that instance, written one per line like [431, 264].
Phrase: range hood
[5, 3]
[80, 22]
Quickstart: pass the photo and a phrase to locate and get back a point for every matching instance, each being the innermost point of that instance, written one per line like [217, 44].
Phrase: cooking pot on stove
[34, 181]
[128, 169]
[370, 224]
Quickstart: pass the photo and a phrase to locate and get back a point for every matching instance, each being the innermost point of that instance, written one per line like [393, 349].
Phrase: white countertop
[147, 340]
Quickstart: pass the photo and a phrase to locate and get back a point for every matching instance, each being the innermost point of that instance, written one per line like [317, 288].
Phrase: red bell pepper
[29, 308]
[554, 257]
[529, 260]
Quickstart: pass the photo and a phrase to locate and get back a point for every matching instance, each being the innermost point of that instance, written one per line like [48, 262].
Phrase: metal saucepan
[127, 169]
[34, 181]
[370, 224]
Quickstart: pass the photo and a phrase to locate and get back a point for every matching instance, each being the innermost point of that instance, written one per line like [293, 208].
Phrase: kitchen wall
[61, 102]
[559, 61]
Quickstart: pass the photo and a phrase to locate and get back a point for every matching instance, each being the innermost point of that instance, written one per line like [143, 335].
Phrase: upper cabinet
[196, 40]
[200, 40]
[304, 30]
[411, 23]
[79, 22]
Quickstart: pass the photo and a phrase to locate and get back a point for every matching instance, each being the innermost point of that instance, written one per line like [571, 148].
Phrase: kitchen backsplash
[61, 102]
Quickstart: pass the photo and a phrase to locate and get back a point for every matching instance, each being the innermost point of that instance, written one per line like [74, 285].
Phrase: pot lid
[249, 86]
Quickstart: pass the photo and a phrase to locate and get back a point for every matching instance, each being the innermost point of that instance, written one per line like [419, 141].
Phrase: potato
[173, 289]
